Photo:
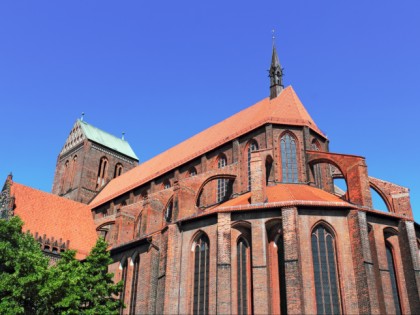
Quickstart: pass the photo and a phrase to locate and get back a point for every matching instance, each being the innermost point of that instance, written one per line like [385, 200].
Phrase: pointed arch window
[253, 146]
[282, 274]
[201, 276]
[222, 183]
[192, 172]
[288, 159]
[243, 257]
[317, 167]
[394, 286]
[103, 167]
[118, 170]
[124, 279]
[65, 175]
[134, 283]
[325, 272]
[73, 171]
[166, 184]
[168, 211]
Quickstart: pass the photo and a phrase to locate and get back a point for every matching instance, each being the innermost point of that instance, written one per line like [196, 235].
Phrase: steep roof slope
[82, 130]
[56, 217]
[285, 109]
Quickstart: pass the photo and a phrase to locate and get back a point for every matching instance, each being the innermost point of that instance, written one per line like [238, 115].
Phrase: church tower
[90, 158]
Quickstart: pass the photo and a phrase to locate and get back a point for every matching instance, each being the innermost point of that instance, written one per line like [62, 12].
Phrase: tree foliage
[28, 285]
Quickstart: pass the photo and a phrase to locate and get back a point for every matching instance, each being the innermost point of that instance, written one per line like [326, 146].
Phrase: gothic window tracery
[288, 158]
[243, 258]
[392, 274]
[201, 276]
[134, 283]
[222, 183]
[325, 271]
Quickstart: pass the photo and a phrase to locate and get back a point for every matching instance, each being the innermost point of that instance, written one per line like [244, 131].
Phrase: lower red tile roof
[56, 217]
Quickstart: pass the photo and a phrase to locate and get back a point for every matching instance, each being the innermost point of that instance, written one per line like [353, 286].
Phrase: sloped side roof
[56, 217]
[285, 109]
[288, 192]
[106, 139]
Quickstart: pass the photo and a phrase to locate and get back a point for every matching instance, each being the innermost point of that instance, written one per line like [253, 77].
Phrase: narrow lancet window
[288, 159]
[317, 168]
[103, 166]
[118, 170]
[222, 183]
[282, 275]
[243, 277]
[325, 272]
[134, 285]
[201, 276]
[394, 287]
[253, 146]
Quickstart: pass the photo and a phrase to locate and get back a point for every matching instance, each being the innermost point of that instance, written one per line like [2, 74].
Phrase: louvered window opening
[317, 169]
[242, 277]
[282, 275]
[288, 159]
[222, 183]
[101, 173]
[391, 268]
[134, 284]
[201, 276]
[253, 146]
[325, 271]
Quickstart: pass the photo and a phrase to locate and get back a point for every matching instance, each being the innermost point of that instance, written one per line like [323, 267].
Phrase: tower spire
[276, 73]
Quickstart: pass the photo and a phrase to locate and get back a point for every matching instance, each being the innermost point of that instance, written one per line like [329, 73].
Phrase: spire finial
[123, 134]
[276, 72]
[83, 115]
[273, 37]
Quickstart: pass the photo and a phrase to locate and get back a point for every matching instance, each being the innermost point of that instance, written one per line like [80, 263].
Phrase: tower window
[325, 272]
[65, 175]
[103, 166]
[118, 170]
[253, 146]
[201, 276]
[282, 274]
[73, 171]
[288, 159]
[222, 183]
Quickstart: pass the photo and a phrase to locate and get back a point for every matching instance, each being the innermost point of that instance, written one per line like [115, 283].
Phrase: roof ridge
[101, 130]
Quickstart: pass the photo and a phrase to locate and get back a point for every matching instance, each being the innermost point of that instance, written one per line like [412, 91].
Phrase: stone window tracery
[392, 274]
[289, 159]
[244, 277]
[325, 271]
[222, 183]
[201, 276]
[134, 283]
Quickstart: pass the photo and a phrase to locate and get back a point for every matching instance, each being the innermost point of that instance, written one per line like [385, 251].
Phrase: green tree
[29, 286]
[23, 270]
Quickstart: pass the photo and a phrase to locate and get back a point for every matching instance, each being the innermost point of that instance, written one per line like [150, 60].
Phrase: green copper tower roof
[106, 139]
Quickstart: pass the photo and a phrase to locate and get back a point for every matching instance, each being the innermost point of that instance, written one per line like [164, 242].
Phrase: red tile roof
[56, 217]
[289, 192]
[285, 109]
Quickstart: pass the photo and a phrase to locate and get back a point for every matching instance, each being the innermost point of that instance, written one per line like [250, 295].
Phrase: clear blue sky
[164, 70]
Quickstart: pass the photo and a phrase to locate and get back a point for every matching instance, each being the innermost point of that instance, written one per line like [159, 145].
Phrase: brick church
[241, 218]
